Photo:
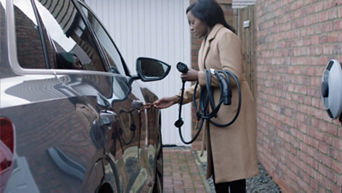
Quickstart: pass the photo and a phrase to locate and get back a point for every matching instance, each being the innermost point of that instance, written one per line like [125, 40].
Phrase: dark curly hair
[209, 12]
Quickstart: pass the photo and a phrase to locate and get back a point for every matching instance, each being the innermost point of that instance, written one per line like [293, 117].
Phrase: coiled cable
[207, 102]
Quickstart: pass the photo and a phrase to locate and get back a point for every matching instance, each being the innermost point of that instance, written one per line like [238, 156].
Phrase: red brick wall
[299, 145]
[226, 5]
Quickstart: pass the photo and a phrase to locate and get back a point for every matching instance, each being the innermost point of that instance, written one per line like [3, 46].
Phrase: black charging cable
[181, 67]
[206, 98]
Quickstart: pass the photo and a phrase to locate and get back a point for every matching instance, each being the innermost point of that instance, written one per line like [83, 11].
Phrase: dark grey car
[72, 118]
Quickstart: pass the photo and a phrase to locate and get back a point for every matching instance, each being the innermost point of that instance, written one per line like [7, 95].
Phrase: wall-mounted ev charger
[331, 89]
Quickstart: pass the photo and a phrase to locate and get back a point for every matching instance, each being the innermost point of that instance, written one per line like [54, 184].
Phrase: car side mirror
[150, 69]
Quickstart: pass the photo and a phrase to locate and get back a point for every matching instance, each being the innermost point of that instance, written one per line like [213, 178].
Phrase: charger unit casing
[331, 89]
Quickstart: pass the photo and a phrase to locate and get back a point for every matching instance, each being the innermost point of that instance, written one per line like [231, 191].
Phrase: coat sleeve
[230, 57]
[187, 97]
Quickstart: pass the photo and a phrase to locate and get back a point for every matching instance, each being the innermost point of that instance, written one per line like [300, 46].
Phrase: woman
[231, 150]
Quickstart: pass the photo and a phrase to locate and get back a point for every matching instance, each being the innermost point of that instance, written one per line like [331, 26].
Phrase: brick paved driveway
[181, 173]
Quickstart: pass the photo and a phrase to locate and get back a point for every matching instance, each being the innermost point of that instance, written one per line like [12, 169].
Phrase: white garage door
[152, 28]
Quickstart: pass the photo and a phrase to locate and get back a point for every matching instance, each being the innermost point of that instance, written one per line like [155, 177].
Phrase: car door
[56, 101]
[136, 162]
[52, 148]
[79, 119]
[81, 67]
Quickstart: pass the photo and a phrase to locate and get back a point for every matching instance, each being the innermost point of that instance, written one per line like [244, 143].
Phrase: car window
[73, 45]
[106, 42]
[2, 30]
[4, 70]
[29, 45]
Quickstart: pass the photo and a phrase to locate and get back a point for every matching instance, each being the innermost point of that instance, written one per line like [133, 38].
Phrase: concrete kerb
[199, 159]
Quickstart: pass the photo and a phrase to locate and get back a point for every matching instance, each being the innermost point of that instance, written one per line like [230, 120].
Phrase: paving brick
[181, 174]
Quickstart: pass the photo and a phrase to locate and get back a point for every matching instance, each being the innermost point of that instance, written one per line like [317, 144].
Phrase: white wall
[152, 28]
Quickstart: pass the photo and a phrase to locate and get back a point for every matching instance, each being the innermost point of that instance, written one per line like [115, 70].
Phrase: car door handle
[137, 104]
[107, 117]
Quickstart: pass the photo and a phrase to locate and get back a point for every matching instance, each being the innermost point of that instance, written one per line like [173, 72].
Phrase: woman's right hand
[165, 102]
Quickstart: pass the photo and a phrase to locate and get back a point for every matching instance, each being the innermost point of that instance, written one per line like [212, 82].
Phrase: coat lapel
[206, 45]
[205, 52]
[200, 56]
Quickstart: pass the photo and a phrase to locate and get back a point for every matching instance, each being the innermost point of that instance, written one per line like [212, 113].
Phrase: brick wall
[226, 5]
[300, 146]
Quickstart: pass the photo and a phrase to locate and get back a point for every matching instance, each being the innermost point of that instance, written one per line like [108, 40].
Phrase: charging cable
[206, 99]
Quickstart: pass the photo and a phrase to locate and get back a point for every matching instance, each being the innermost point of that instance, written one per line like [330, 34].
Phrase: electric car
[72, 116]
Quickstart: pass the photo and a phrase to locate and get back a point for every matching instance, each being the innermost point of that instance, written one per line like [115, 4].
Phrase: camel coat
[233, 148]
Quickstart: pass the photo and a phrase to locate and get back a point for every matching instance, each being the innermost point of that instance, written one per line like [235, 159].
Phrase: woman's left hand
[191, 75]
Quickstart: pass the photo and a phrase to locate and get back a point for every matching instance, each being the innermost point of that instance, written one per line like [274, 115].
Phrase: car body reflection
[78, 120]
